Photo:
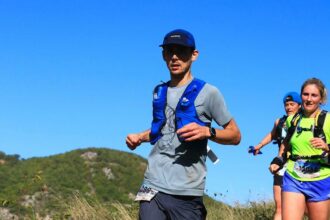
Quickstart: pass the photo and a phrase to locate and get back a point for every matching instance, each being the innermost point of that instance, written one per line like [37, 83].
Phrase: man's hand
[133, 141]
[193, 132]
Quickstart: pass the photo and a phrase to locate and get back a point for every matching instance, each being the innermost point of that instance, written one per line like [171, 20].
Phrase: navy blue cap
[292, 96]
[179, 37]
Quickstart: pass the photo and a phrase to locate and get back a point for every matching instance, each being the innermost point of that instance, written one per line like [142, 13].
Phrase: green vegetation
[85, 184]
[43, 185]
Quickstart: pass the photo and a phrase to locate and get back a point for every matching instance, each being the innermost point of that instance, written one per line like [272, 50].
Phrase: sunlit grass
[82, 209]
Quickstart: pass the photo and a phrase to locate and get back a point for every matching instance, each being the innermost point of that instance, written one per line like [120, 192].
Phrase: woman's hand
[319, 143]
[257, 149]
[273, 168]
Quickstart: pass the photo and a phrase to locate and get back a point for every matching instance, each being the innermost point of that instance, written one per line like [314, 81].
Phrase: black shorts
[164, 206]
[278, 180]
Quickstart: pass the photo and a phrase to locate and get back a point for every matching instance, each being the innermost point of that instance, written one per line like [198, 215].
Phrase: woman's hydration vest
[317, 132]
[185, 111]
[280, 131]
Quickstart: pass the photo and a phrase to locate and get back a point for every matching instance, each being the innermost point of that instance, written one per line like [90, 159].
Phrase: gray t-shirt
[179, 168]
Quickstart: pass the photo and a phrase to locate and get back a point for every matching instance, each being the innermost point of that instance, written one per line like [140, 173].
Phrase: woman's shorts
[314, 191]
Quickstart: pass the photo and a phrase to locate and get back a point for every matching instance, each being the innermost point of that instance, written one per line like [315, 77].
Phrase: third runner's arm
[267, 139]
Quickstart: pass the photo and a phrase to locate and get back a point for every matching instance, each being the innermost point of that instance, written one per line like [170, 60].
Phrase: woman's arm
[267, 139]
[278, 162]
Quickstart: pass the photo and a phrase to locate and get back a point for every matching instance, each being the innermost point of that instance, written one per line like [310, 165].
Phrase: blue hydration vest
[185, 111]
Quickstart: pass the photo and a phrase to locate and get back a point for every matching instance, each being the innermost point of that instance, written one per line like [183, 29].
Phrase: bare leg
[293, 206]
[319, 210]
[306, 211]
[277, 199]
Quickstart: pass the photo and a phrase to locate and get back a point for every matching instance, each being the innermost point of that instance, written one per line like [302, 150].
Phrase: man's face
[179, 58]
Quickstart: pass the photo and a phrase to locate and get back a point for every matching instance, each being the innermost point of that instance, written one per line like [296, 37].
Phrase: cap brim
[174, 41]
[167, 44]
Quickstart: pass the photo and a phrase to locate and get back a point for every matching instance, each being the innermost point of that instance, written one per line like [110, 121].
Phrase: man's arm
[230, 134]
[134, 140]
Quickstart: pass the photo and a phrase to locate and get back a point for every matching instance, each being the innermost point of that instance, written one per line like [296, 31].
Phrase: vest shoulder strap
[318, 129]
[321, 118]
[279, 130]
[160, 92]
[191, 92]
[293, 125]
[195, 86]
[282, 120]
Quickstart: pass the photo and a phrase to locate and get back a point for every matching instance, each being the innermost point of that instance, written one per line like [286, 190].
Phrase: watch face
[212, 131]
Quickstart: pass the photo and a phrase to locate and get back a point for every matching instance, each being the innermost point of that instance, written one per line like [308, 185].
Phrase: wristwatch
[212, 132]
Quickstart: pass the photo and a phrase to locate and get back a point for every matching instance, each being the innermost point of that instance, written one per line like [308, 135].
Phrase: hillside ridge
[43, 184]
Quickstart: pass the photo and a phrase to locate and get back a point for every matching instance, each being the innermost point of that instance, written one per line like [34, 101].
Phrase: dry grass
[81, 209]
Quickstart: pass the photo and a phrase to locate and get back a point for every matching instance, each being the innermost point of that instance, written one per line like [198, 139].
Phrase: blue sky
[76, 74]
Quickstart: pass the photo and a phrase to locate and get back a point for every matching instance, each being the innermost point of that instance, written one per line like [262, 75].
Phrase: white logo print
[176, 36]
[155, 96]
[184, 99]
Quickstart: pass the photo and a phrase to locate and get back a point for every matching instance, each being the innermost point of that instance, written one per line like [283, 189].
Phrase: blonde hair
[319, 84]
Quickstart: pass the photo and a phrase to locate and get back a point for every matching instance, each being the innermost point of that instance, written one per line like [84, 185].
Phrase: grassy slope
[71, 185]
[52, 180]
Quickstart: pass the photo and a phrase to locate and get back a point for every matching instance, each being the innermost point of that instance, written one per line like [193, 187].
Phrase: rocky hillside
[43, 186]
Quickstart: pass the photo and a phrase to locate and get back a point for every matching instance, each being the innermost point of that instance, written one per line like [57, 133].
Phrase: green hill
[85, 184]
[44, 184]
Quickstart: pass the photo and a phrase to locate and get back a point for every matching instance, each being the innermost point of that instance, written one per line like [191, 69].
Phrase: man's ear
[194, 55]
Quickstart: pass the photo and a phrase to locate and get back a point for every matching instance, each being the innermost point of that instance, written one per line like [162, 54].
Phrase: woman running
[292, 102]
[306, 181]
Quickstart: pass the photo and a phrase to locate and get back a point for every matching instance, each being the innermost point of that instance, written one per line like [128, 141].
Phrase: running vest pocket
[307, 169]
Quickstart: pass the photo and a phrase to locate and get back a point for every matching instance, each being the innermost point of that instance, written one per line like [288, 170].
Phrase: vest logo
[185, 101]
[155, 95]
